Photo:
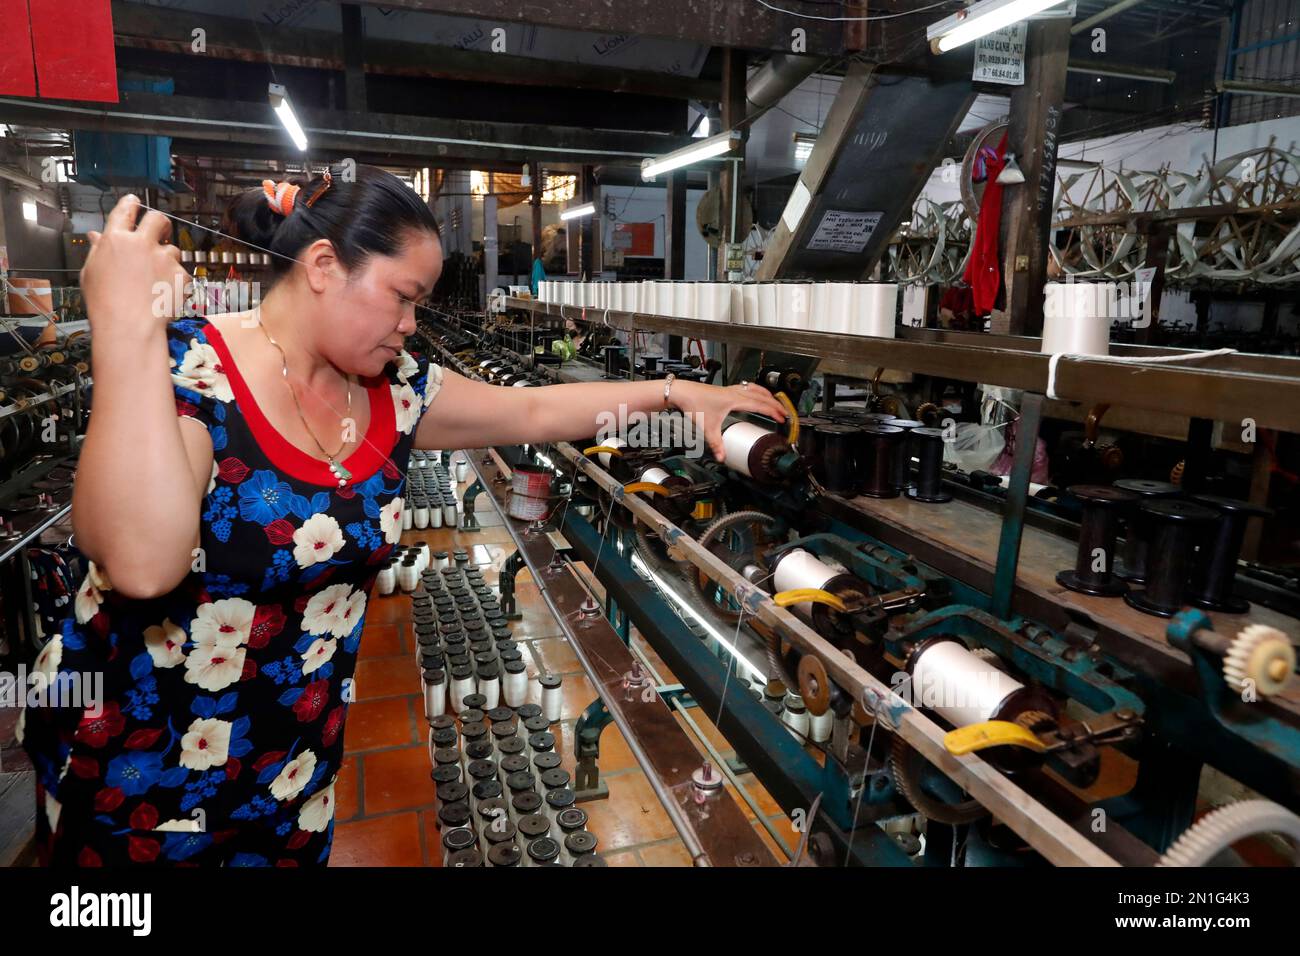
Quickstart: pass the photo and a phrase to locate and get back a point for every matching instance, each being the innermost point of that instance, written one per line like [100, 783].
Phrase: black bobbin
[1098, 531]
[808, 425]
[1215, 569]
[877, 464]
[903, 463]
[835, 464]
[613, 360]
[927, 443]
[1132, 564]
[1177, 525]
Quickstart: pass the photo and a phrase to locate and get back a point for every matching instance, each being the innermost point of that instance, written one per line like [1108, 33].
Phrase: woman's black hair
[366, 211]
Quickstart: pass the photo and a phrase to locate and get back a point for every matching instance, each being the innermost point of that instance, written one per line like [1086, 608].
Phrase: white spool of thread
[654, 475]
[964, 689]
[684, 299]
[1072, 321]
[552, 696]
[408, 576]
[648, 298]
[435, 516]
[748, 304]
[767, 312]
[793, 302]
[795, 717]
[604, 456]
[736, 313]
[665, 291]
[435, 694]
[462, 468]
[632, 292]
[514, 685]
[386, 579]
[461, 687]
[875, 308]
[421, 519]
[713, 301]
[737, 441]
[819, 728]
[408, 516]
[798, 568]
[832, 306]
[490, 688]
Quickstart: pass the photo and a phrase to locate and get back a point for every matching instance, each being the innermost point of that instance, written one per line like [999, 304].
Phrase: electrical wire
[872, 19]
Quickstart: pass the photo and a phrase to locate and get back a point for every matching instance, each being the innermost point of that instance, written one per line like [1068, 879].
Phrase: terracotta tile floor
[385, 798]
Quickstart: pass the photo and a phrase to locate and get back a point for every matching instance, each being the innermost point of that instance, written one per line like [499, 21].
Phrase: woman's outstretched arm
[470, 414]
[141, 475]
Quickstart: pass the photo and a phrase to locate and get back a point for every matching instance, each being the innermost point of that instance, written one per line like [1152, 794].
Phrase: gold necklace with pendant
[335, 466]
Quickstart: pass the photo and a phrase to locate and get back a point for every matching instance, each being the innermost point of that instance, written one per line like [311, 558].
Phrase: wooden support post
[1159, 235]
[354, 63]
[675, 226]
[1036, 110]
[587, 185]
[732, 179]
[535, 201]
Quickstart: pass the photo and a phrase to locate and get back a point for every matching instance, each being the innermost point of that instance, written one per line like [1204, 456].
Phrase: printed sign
[1000, 56]
[841, 231]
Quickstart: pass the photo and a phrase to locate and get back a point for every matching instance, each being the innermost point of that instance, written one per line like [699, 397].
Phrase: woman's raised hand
[714, 403]
[132, 281]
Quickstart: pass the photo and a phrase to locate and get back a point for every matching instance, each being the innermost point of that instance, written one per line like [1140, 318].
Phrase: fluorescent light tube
[981, 19]
[29, 210]
[704, 149]
[577, 212]
[803, 146]
[284, 110]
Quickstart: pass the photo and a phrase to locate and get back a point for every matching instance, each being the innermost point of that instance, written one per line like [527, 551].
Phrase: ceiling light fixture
[704, 149]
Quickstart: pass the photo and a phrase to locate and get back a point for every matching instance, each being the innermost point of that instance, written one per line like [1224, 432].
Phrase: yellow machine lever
[792, 433]
[991, 733]
[649, 486]
[815, 595]
[597, 449]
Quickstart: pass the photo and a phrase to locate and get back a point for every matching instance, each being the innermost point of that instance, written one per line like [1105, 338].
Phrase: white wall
[649, 204]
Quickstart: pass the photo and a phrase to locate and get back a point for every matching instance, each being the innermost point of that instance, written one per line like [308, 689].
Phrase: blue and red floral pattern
[219, 735]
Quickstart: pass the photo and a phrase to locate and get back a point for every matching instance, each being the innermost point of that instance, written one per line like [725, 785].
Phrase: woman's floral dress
[220, 733]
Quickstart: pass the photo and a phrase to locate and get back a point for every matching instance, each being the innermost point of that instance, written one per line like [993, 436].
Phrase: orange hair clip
[280, 196]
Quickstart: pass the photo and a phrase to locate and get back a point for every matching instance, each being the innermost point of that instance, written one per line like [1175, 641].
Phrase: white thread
[1124, 360]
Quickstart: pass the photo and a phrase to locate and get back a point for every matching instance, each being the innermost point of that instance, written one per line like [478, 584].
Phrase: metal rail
[716, 833]
[1224, 388]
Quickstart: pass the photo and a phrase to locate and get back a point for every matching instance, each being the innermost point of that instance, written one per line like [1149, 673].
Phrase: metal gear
[1219, 829]
[1262, 655]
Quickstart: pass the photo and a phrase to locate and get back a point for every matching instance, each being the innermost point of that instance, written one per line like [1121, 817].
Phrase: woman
[239, 486]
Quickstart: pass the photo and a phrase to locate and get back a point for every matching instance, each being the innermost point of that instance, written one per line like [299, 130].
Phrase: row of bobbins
[1178, 550]
[872, 453]
[430, 496]
[502, 798]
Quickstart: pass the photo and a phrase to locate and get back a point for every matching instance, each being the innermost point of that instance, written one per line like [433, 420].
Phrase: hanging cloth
[983, 270]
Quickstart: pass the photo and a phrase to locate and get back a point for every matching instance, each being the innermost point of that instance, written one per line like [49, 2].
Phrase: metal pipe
[777, 77]
[1101, 15]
